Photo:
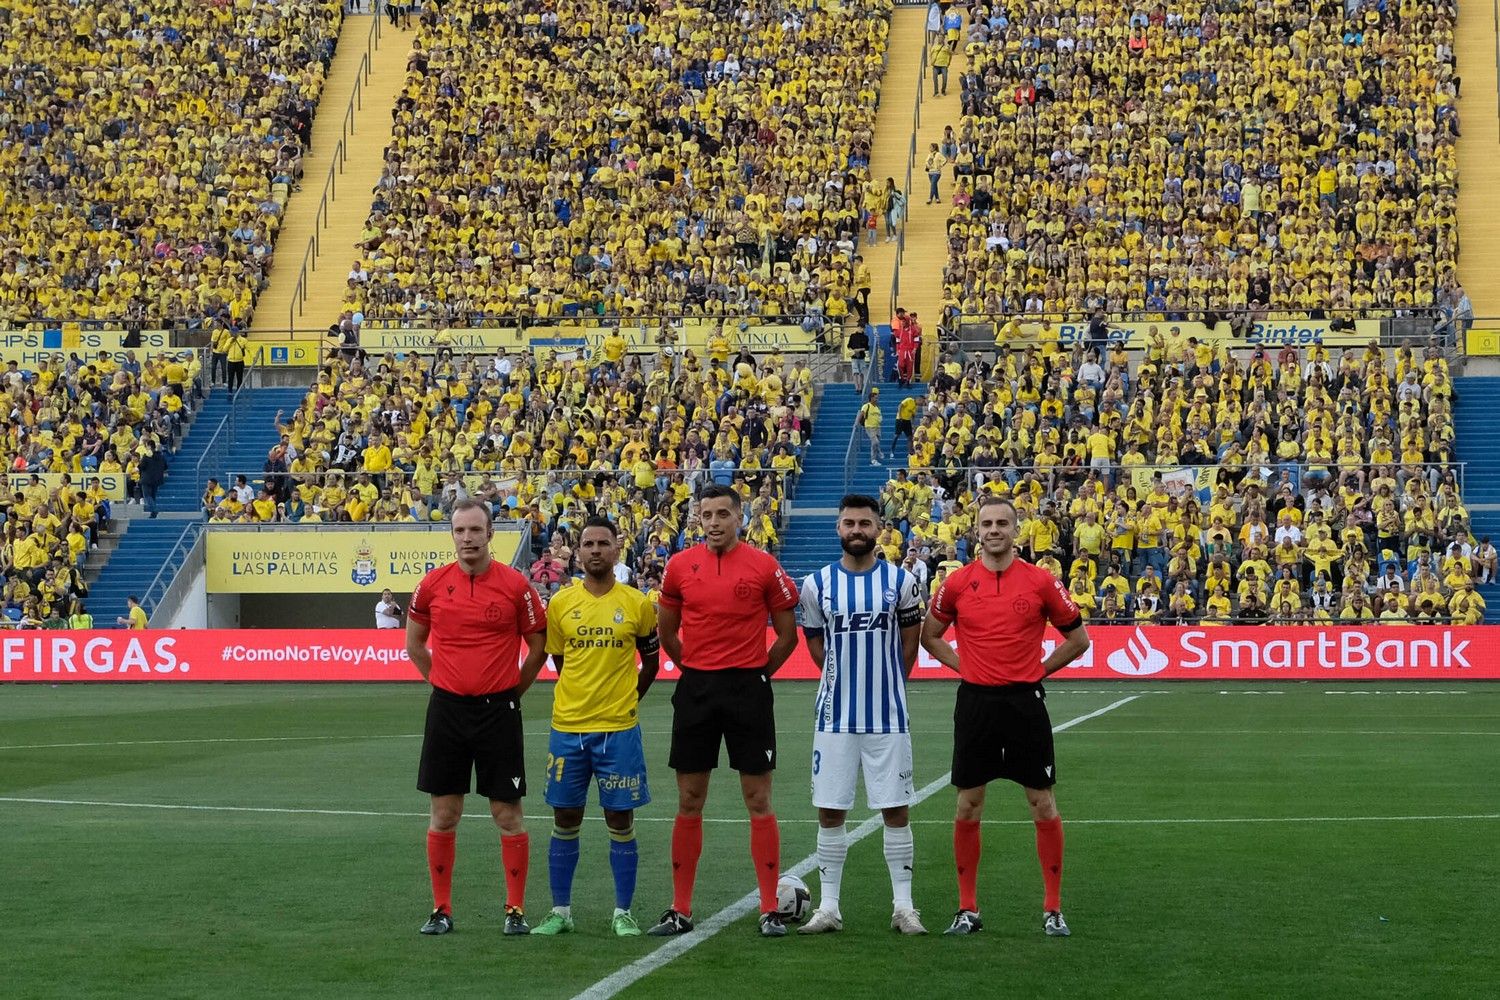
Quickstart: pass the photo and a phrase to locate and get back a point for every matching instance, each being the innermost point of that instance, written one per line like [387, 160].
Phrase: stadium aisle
[1479, 194]
[346, 214]
[921, 272]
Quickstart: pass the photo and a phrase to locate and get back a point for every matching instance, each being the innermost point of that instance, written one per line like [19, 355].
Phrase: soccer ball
[792, 899]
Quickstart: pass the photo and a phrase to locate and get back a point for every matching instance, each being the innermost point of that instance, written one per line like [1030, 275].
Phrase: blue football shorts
[617, 761]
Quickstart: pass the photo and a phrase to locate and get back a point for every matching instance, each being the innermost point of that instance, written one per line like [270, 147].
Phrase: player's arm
[416, 646]
[933, 641]
[669, 626]
[669, 612]
[784, 623]
[781, 599]
[649, 646]
[909, 618]
[536, 655]
[939, 617]
[812, 622]
[1075, 643]
[1058, 604]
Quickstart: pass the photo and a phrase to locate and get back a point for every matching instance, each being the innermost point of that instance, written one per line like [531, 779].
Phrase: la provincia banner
[1264, 653]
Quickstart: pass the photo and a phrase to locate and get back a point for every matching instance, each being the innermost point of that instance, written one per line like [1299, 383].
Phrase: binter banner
[1263, 653]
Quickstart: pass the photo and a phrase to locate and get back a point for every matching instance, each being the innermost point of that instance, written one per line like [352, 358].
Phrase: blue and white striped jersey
[863, 687]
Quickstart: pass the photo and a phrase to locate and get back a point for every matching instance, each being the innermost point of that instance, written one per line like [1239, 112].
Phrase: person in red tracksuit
[906, 350]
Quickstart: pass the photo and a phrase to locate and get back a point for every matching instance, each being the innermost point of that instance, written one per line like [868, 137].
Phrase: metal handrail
[223, 436]
[162, 582]
[872, 373]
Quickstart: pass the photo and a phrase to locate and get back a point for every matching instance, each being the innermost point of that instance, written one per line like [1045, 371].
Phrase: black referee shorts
[734, 706]
[478, 734]
[1002, 732]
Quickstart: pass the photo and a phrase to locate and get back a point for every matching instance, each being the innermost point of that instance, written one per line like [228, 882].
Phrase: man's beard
[857, 546]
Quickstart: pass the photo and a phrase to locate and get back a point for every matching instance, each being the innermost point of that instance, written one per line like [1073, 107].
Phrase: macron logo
[1138, 658]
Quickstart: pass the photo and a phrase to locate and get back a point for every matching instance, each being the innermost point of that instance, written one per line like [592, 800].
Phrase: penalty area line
[749, 903]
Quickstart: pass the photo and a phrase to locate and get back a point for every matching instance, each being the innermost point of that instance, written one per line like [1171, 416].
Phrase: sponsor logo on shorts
[620, 783]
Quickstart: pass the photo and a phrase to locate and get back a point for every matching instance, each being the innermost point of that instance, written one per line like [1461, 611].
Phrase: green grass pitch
[1220, 843]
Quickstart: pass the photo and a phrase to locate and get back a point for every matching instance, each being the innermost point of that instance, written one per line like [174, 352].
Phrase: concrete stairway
[350, 206]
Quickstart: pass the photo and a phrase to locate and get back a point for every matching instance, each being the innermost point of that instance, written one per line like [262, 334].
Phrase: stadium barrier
[270, 559]
[1235, 329]
[1197, 481]
[1328, 654]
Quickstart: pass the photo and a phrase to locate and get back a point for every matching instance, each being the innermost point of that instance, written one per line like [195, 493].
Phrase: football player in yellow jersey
[594, 630]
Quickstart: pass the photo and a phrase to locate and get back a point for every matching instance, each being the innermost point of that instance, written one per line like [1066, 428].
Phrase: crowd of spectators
[70, 424]
[557, 158]
[1198, 485]
[544, 439]
[1219, 154]
[146, 152]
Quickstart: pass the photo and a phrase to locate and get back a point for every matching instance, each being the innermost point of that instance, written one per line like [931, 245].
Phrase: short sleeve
[945, 602]
[671, 584]
[556, 641]
[530, 615]
[908, 600]
[647, 619]
[781, 593]
[811, 605]
[419, 609]
[1059, 606]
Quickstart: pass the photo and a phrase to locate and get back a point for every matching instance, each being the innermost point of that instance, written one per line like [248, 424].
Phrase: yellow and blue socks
[562, 862]
[623, 858]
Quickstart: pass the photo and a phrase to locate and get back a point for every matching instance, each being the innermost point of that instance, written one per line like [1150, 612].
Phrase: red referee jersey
[725, 601]
[477, 623]
[1000, 619]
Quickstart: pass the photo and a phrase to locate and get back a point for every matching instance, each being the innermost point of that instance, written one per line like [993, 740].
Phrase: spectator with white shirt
[387, 612]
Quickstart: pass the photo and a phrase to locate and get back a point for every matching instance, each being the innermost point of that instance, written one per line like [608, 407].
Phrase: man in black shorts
[474, 613]
[719, 594]
[1000, 605]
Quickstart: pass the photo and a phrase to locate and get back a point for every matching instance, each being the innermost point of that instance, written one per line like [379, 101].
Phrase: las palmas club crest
[364, 564]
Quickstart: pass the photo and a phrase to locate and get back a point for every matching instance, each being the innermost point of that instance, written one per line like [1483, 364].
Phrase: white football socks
[899, 854]
[833, 848]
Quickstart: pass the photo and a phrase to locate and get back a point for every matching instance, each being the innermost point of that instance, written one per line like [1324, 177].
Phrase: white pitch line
[749, 903]
[218, 739]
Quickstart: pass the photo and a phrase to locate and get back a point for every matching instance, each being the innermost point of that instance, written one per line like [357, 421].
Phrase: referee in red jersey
[718, 594]
[474, 614]
[1000, 606]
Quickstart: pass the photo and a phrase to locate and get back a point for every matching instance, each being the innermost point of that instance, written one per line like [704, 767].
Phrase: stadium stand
[1170, 158]
[147, 153]
[1199, 486]
[71, 425]
[562, 159]
[543, 439]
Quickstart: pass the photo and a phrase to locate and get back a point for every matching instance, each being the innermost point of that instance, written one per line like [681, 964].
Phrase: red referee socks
[966, 861]
[515, 854]
[765, 851]
[440, 850]
[1049, 851]
[687, 846]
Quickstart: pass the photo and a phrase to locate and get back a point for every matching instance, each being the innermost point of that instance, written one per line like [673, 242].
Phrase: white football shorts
[838, 759]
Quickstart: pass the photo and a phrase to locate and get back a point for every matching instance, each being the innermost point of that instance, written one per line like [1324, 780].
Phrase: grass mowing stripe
[747, 904]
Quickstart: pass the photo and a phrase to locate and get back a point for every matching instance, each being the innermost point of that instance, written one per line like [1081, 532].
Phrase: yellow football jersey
[597, 639]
